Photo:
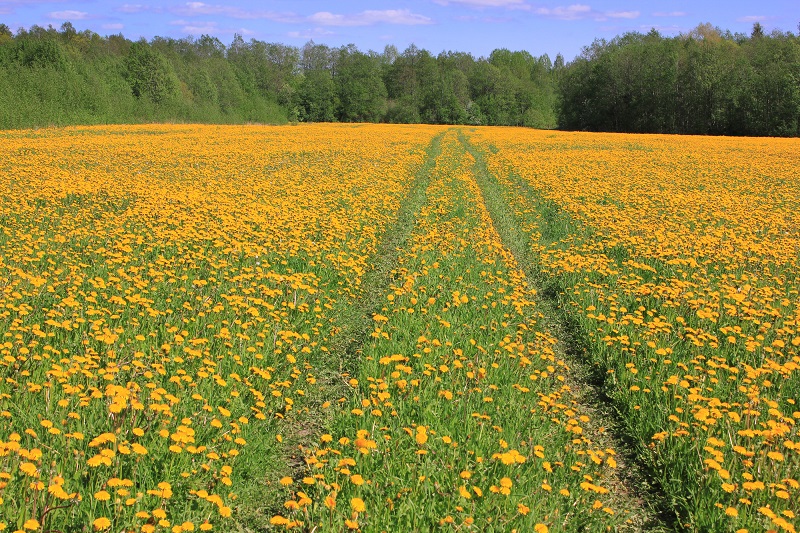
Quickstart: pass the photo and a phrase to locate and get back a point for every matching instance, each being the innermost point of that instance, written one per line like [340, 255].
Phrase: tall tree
[360, 88]
[148, 73]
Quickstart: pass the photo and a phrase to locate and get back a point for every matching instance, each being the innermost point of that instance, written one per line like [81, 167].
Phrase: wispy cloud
[753, 18]
[623, 14]
[133, 8]
[115, 26]
[402, 17]
[321, 18]
[310, 33]
[487, 20]
[572, 12]
[484, 3]
[195, 9]
[195, 28]
[670, 14]
[583, 11]
[68, 15]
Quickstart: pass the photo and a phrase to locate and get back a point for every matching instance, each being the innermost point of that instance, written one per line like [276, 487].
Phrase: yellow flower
[357, 504]
[775, 456]
[29, 469]
[330, 501]
[101, 523]
[421, 436]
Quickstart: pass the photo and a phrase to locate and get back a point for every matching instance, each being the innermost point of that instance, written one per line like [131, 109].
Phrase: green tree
[40, 50]
[148, 73]
[316, 96]
[360, 88]
[411, 83]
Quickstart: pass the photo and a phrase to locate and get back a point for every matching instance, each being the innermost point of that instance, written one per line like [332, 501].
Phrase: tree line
[707, 82]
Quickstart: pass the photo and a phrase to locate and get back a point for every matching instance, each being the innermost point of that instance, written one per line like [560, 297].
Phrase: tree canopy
[705, 82]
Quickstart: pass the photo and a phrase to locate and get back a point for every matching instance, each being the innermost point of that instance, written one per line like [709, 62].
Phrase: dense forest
[706, 82]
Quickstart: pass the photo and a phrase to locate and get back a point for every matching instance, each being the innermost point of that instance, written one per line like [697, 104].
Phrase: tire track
[634, 489]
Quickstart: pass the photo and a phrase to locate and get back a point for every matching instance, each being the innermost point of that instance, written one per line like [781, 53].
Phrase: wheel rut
[633, 489]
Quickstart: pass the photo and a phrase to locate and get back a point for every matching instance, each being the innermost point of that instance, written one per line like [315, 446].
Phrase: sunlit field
[397, 328]
[679, 258]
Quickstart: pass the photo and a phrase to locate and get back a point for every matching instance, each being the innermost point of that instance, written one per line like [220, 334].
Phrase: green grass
[656, 421]
[456, 380]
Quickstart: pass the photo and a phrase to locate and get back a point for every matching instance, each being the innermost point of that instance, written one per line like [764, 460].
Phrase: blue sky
[476, 26]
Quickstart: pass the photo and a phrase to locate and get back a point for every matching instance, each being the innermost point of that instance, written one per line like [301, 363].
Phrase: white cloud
[115, 26]
[133, 8]
[623, 14]
[192, 28]
[194, 9]
[572, 12]
[485, 20]
[582, 12]
[207, 28]
[367, 18]
[200, 8]
[310, 33]
[322, 18]
[484, 3]
[670, 14]
[752, 18]
[69, 15]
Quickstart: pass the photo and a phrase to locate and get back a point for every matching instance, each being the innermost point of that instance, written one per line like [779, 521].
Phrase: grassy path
[704, 402]
[462, 415]
[357, 318]
[354, 319]
[633, 484]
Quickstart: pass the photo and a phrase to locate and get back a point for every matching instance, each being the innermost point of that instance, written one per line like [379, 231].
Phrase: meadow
[397, 328]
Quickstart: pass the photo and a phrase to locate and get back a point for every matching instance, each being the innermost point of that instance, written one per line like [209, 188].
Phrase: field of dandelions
[394, 328]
